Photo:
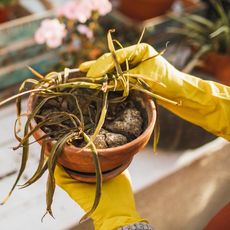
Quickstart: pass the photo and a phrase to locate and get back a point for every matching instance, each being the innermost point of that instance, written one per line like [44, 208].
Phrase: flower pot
[144, 9]
[4, 14]
[217, 65]
[221, 220]
[79, 162]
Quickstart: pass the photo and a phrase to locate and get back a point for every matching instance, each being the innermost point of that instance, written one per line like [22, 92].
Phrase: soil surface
[124, 121]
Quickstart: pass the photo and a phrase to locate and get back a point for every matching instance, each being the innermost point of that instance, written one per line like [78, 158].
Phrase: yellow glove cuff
[116, 207]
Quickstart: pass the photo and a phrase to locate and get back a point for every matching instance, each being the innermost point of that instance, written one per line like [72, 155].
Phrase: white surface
[26, 207]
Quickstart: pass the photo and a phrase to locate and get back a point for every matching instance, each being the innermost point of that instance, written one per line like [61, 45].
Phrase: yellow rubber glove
[204, 103]
[116, 207]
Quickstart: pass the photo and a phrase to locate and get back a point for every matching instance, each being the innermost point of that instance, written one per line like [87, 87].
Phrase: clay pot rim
[81, 176]
[150, 106]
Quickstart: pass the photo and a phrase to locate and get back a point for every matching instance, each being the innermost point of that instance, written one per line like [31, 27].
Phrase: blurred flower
[83, 29]
[50, 32]
[101, 6]
[81, 10]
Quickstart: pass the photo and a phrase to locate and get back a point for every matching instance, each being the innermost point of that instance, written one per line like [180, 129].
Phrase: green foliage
[204, 34]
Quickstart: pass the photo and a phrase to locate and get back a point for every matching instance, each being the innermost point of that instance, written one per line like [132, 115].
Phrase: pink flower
[39, 36]
[83, 29]
[101, 6]
[50, 32]
[79, 10]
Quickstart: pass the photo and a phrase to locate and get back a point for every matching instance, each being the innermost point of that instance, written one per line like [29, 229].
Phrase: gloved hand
[116, 207]
[204, 103]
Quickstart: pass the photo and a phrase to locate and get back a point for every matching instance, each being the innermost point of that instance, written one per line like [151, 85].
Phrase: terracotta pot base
[91, 177]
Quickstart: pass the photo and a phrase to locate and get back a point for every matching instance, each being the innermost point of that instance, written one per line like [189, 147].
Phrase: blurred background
[186, 182]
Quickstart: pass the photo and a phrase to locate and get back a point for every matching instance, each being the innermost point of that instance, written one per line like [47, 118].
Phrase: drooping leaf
[25, 153]
[138, 88]
[98, 177]
[36, 73]
[19, 95]
[201, 20]
[25, 149]
[156, 132]
[42, 166]
[101, 119]
[18, 99]
[52, 162]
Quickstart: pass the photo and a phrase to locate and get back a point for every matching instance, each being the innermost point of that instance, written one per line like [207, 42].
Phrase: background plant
[204, 34]
[60, 84]
[76, 30]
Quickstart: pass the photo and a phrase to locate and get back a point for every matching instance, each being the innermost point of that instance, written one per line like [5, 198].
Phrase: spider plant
[60, 84]
[204, 34]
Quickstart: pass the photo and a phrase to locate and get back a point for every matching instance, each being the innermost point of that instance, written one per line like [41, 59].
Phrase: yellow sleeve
[204, 103]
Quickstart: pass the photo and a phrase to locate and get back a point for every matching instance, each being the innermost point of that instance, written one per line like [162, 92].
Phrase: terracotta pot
[4, 14]
[221, 220]
[144, 9]
[217, 65]
[79, 164]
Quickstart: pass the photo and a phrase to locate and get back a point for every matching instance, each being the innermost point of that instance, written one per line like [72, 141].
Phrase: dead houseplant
[58, 128]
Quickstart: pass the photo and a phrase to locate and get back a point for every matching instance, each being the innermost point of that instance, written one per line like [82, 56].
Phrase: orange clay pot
[144, 9]
[221, 221]
[217, 65]
[113, 161]
[4, 14]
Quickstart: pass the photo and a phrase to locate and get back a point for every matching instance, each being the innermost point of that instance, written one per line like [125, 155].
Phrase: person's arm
[204, 103]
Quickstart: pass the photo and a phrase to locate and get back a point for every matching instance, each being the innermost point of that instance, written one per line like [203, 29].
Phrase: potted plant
[11, 9]
[144, 9]
[70, 115]
[75, 29]
[210, 42]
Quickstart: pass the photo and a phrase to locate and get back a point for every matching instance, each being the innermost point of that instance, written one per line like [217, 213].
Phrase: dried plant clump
[205, 34]
[69, 126]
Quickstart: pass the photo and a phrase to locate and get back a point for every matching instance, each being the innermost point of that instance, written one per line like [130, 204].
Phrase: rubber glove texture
[204, 103]
[116, 207]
